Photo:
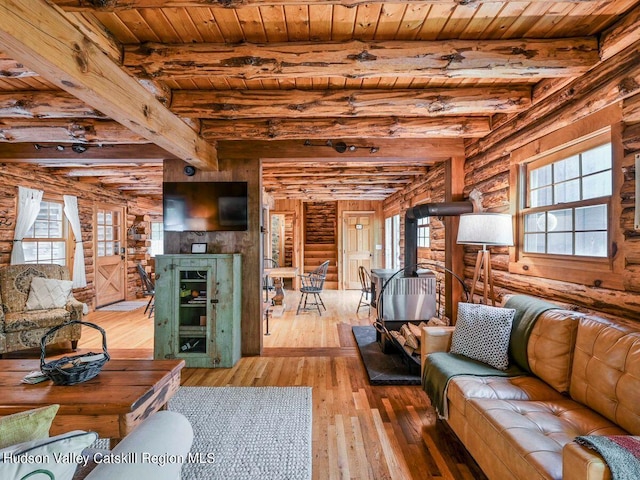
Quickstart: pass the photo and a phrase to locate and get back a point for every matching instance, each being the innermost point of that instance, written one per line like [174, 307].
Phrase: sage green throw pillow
[26, 426]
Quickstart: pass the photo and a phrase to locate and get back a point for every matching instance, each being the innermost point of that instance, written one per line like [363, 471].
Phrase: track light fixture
[76, 147]
[341, 146]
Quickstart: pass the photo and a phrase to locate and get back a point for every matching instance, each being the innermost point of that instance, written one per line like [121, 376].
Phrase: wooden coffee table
[112, 404]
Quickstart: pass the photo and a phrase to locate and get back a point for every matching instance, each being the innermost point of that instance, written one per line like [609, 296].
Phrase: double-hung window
[568, 204]
[568, 221]
[424, 238]
[46, 240]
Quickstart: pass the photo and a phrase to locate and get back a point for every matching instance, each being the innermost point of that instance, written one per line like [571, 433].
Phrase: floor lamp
[486, 229]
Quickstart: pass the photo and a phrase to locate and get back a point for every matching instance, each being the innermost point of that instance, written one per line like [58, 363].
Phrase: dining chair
[365, 288]
[149, 289]
[312, 284]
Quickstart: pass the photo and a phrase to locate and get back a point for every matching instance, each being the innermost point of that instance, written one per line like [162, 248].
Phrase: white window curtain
[29, 201]
[71, 211]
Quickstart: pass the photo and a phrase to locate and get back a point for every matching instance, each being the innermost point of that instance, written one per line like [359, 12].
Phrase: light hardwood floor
[359, 431]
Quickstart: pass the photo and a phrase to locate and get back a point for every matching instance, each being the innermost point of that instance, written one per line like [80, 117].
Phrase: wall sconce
[342, 147]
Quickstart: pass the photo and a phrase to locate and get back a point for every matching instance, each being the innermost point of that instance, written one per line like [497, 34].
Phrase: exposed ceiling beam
[425, 150]
[621, 35]
[362, 127]
[22, 152]
[9, 68]
[45, 39]
[45, 104]
[89, 131]
[117, 5]
[506, 59]
[349, 103]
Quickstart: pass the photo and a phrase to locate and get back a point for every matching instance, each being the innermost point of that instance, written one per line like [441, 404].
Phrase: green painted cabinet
[197, 309]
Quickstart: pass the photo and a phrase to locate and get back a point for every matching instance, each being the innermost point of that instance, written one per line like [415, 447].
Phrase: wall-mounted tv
[205, 206]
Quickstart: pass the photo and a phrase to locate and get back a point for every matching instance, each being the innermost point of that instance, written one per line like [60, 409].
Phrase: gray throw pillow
[482, 333]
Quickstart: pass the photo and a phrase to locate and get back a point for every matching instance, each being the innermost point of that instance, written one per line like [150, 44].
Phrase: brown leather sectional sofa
[585, 380]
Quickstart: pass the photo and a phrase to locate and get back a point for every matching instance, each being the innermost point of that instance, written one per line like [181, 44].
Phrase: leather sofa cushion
[550, 347]
[463, 388]
[529, 437]
[606, 370]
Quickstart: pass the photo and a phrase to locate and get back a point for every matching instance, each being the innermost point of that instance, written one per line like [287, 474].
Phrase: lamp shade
[485, 229]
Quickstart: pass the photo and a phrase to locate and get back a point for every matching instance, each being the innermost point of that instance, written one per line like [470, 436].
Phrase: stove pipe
[411, 217]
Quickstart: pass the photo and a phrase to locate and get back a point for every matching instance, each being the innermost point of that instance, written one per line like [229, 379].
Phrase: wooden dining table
[281, 272]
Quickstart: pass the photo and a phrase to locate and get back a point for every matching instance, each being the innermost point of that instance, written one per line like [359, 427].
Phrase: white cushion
[56, 457]
[482, 333]
[47, 293]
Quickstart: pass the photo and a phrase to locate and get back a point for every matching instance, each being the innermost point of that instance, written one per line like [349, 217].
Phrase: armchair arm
[75, 308]
[434, 339]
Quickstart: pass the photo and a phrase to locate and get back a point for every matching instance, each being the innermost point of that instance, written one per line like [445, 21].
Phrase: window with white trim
[567, 204]
[157, 239]
[424, 232]
[47, 239]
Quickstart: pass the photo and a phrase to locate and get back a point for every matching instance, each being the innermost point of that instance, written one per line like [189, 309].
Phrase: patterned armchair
[21, 328]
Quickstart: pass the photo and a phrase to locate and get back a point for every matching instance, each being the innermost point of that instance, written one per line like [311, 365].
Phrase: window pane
[560, 243]
[567, 192]
[108, 246]
[109, 233]
[40, 229]
[560, 220]
[100, 233]
[30, 252]
[541, 197]
[55, 211]
[598, 185]
[101, 249]
[55, 230]
[108, 218]
[591, 218]
[596, 159]
[534, 243]
[566, 169]
[534, 222]
[593, 244]
[101, 217]
[540, 177]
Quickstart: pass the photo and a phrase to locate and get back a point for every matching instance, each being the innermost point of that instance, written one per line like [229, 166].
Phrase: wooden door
[110, 257]
[358, 246]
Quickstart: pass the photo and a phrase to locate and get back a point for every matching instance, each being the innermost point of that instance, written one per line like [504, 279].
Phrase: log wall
[28, 175]
[488, 168]
[320, 222]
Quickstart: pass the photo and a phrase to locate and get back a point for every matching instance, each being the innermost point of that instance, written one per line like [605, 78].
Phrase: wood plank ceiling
[346, 92]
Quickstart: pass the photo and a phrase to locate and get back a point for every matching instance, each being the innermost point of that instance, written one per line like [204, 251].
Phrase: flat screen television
[205, 206]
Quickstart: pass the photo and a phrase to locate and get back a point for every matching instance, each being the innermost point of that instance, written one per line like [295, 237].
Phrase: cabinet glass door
[193, 299]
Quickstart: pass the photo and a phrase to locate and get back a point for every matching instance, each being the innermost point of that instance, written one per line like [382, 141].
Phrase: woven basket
[77, 368]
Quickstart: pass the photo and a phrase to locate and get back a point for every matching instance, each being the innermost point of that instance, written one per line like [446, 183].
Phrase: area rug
[252, 432]
[123, 306]
[382, 368]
